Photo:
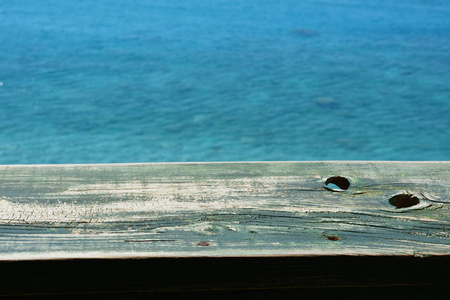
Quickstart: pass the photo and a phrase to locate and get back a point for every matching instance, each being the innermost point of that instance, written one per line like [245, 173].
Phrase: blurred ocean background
[105, 81]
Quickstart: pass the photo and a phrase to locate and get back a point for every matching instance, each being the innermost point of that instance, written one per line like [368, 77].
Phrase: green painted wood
[222, 209]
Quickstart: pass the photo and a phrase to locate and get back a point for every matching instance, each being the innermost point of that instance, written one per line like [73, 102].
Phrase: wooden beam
[226, 230]
[223, 209]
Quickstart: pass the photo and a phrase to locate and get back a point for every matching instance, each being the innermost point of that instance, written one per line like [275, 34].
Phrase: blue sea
[107, 81]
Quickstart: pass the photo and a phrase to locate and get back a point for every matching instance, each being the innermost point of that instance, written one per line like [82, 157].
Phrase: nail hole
[337, 183]
[203, 243]
[333, 238]
[404, 200]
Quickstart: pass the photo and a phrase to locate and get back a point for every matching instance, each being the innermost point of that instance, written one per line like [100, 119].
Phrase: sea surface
[106, 81]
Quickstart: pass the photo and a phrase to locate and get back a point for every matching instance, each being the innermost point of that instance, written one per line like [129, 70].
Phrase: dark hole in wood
[403, 200]
[203, 243]
[333, 238]
[337, 183]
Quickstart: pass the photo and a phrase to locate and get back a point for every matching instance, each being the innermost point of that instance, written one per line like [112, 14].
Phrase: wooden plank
[223, 210]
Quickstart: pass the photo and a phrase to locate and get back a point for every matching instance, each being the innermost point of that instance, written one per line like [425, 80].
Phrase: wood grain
[222, 209]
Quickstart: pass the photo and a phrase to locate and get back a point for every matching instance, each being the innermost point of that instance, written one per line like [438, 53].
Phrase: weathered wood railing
[284, 226]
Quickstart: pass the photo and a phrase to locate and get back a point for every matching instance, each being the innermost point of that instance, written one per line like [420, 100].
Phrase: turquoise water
[224, 80]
